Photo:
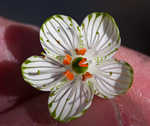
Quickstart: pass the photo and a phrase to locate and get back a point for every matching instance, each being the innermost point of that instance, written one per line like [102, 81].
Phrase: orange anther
[81, 63]
[80, 51]
[84, 65]
[69, 75]
[86, 76]
[67, 60]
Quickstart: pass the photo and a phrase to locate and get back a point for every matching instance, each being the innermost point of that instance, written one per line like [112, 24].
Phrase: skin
[22, 105]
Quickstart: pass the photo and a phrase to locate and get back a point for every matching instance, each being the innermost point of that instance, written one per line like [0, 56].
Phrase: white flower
[77, 64]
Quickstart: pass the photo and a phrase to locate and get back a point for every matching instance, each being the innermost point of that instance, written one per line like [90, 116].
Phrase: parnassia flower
[78, 64]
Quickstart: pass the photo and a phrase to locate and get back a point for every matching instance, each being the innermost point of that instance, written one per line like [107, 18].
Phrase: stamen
[81, 63]
[67, 60]
[86, 76]
[80, 51]
[69, 75]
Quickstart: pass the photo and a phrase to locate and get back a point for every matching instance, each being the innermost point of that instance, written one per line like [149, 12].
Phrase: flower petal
[101, 33]
[42, 73]
[112, 78]
[70, 101]
[59, 35]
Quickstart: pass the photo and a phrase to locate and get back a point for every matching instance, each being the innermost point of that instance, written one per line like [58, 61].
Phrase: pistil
[78, 66]
[83, 61]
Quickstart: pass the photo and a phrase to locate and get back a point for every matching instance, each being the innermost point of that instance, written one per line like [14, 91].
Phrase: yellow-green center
[75, 66]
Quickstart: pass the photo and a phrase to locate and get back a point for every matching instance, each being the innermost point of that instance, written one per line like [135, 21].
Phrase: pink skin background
[22, 105]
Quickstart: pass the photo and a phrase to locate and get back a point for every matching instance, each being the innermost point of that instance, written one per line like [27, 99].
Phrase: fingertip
[17, 42]
[98, 114]
[22, 41]
[131, 55]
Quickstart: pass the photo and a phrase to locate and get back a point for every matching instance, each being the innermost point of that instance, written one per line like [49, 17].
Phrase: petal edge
[113, 78]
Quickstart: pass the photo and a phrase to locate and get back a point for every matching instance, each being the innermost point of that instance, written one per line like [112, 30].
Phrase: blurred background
[132, 16]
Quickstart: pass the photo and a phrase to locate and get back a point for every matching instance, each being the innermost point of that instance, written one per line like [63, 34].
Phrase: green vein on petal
[112, 78]
[62, 34]
[62, 107]
[94, 35]
[36, 71]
